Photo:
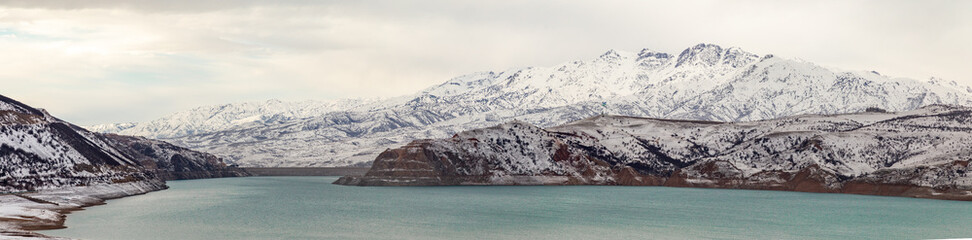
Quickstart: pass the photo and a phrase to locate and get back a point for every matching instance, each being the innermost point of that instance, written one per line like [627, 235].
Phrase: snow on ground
[43, 209]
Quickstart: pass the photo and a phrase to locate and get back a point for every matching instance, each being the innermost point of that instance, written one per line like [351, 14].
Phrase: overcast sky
[116, 61]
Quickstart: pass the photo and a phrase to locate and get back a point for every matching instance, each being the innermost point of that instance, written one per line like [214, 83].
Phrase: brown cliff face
[412, 164]
[416, 164]
[629, 177]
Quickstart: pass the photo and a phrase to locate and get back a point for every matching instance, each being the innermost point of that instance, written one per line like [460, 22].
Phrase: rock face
[39, 151]
[919, 153]
[171, 162]
[703, 82]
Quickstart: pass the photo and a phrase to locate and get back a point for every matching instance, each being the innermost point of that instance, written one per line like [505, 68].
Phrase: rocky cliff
[39, 151]
[919, 153]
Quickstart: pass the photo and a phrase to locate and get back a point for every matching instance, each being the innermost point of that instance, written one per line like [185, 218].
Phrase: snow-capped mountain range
[918, 153]
[703, 82]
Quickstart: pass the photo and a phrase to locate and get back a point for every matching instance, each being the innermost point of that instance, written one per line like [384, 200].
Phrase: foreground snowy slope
[704, 82]
[918, 153]
[49, 167]
[39, 151]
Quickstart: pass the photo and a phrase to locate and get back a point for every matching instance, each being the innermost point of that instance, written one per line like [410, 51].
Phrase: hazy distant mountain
[704, 82]
[221, 117]
[918, 153]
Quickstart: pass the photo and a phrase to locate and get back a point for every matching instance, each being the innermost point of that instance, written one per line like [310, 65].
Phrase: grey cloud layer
[105, 61]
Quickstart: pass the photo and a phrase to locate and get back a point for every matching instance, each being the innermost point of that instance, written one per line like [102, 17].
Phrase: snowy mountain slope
[777, 87]
[919, 153]
[39, 151]
[704, 82]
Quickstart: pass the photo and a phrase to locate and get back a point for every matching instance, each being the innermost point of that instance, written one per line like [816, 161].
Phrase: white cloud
[112, 61]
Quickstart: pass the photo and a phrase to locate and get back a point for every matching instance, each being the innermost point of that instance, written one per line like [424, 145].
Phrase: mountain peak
[940, 81]
[611, 55]
[700, 54]
[706, 46]
[706, 54]
[648, 53]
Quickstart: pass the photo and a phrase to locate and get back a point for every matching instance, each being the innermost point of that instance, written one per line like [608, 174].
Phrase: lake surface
[312, 208]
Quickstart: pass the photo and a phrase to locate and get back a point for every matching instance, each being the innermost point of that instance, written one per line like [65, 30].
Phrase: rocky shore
[810, 180]
[922, 153]
[23, 213]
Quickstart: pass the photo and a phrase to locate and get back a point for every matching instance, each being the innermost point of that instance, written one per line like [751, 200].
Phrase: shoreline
[22, 214]
[47, 209]
[306, 171]
[854, 188]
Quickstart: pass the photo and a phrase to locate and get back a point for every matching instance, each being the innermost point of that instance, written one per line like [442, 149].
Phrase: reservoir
[312, 208]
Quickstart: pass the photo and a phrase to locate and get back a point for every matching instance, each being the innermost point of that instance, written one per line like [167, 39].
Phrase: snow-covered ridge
[39, 151]
[703, 82]
[920, 153]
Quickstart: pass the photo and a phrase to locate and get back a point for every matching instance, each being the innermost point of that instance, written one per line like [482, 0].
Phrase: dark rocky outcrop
[171, 162]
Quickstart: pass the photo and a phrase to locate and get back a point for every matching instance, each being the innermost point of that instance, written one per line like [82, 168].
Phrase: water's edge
[312, 208]
[67, 200]
[48, 209]
[24, 214]
[307, 171]
[802, 185]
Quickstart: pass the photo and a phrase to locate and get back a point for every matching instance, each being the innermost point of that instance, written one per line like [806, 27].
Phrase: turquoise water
[312, 208]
